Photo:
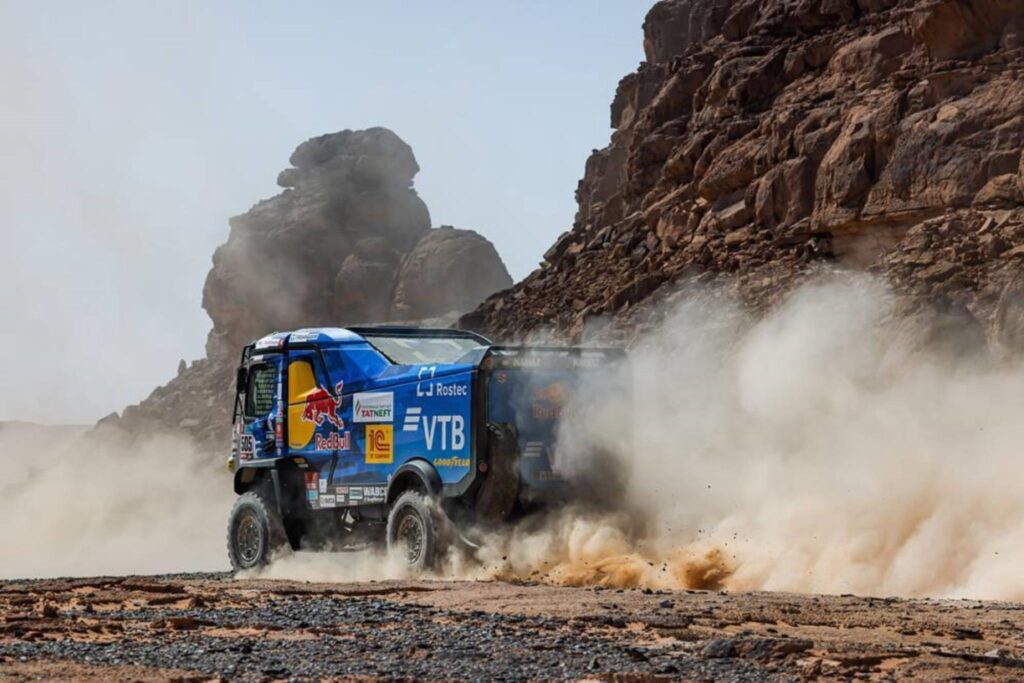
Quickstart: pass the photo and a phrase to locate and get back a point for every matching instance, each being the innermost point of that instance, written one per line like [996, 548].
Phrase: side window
[259, 396]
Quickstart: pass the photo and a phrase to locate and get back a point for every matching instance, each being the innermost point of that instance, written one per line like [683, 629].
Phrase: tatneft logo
[373, 407]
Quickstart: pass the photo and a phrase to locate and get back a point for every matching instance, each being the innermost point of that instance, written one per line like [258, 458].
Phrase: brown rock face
[764, 138]
[446, 272]
[348, 241]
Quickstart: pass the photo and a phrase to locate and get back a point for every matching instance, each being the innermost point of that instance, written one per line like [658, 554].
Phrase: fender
[253, 471]
[252, 474]
[415, 474]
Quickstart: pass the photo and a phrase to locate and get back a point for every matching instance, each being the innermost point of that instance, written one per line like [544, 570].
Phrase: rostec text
[426, 387]
[450, 389]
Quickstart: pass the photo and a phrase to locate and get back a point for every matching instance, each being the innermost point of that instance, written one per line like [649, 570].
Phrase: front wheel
[255, 532]
[415, 525]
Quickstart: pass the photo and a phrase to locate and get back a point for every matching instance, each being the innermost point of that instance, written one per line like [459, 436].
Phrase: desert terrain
[213, 627]
[807, 228]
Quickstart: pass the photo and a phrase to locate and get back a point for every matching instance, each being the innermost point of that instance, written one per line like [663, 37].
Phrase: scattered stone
[719, 648]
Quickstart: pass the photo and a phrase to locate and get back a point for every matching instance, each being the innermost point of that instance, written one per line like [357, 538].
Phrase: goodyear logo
[451, 462]
[380, 444]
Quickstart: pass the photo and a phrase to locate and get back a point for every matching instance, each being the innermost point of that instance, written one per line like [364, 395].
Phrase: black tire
[255, 532]
[416, 529]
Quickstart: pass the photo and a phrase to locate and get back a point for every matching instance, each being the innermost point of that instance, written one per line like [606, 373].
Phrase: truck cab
[344, 435]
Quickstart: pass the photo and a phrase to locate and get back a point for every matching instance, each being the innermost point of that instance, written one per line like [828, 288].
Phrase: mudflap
[500, 489]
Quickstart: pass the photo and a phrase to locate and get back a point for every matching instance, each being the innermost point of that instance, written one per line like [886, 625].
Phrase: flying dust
[830, 447]
[77, 504]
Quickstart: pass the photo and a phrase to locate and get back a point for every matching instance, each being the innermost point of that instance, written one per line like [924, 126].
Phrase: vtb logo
[448, 432]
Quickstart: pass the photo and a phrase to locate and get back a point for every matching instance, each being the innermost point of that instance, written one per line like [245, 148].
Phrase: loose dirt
[204, 627]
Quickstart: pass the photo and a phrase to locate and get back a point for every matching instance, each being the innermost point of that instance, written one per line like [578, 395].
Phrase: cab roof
[277, 340]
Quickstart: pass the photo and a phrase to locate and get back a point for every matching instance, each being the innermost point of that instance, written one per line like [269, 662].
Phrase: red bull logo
[553, 393]
[321, 407]
[334, 442]
[549, 401]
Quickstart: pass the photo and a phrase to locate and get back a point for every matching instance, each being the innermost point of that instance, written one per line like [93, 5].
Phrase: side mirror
[241, 379]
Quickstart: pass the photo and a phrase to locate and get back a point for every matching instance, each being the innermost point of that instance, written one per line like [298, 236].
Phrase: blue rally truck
[348, 437]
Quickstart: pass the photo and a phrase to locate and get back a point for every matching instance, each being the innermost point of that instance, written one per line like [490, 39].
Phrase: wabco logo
[449, 431]
[373, 407]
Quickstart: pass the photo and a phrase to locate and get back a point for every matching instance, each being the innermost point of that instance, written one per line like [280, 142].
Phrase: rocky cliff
[762, 140]
[348, 241]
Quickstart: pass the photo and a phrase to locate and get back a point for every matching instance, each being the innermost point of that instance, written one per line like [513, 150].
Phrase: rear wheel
[415, 525]
[255, 532]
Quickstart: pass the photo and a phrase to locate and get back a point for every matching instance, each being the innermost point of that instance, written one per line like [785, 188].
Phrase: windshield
[419, 350]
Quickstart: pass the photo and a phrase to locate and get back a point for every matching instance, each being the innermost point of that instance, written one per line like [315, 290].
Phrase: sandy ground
[204, 627]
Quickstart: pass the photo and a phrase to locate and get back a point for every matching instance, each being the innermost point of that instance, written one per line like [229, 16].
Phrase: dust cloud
[834, 446]
[830, 447]
[324, 566]
[78, 505]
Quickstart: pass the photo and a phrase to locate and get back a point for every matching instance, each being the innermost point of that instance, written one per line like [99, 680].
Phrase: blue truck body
[353, 409]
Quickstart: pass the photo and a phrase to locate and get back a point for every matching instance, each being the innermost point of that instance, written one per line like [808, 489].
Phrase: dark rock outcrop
[348, 241]
[446, 272]
[765, 139]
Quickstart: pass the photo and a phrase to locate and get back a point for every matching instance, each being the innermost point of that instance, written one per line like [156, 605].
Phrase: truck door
[361, 471]
[317, 423]
[261, 426]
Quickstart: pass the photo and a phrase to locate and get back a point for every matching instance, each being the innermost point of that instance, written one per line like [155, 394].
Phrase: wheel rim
[249, 539]
[411, 535]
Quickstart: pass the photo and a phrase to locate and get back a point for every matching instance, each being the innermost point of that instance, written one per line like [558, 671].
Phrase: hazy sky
[130, 131]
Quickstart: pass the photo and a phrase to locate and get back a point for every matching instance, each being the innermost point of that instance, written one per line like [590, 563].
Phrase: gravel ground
[201, 627]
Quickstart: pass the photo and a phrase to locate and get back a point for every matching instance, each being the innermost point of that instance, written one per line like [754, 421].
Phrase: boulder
[327, 250]
[962, 28]
[673, 26]
[449, 270]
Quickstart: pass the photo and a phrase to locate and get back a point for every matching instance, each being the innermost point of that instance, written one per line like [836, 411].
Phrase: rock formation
[329, 249]
[348, 241]
[761, 139]
[426, 287]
